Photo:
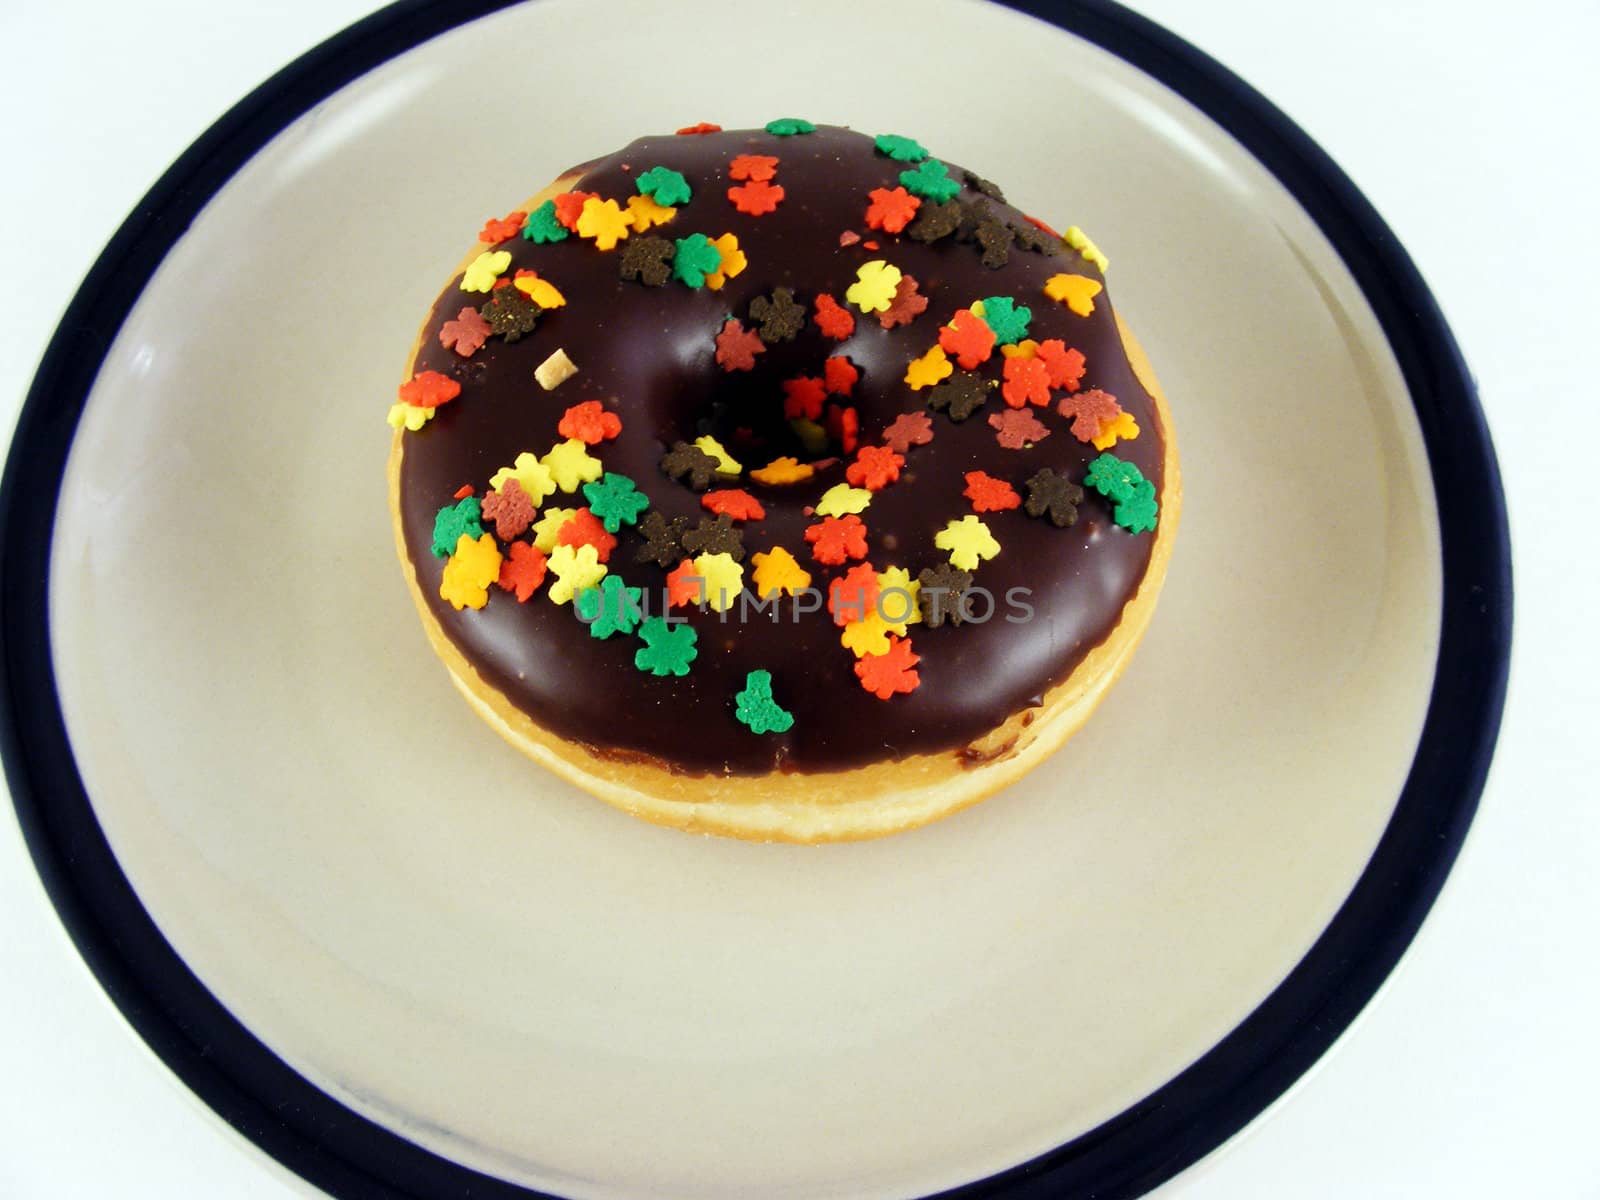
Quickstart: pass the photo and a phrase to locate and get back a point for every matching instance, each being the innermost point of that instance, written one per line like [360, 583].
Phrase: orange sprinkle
[465, 490]
[757, 197]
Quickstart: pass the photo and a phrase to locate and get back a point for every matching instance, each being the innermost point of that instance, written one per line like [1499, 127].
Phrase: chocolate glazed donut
[827, 221]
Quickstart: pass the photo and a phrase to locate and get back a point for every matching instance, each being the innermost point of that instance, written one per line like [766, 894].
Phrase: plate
[405, 962]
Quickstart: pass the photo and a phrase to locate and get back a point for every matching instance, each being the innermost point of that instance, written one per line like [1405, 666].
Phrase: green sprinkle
[1137, 514]
[756, 708]
[543, 226]
[789, 126]
[668, 649]
[610, 608]
[1114, 478]
[694, 259]
[663, 185]
[1008, 320]
[931, 180]
[901, 149]
[615, 500]
[453, 520]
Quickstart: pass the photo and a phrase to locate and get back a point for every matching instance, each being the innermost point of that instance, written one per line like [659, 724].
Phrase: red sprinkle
[570, 204]
[875, 468]
[465, 490]
[849, 237]
[753, 166]
[840, 375]
[589, 422]
[989, 494]
[834, 321]
[703, 127]
[736, 502]
[757, 197]
[803, 398]
[500, 229]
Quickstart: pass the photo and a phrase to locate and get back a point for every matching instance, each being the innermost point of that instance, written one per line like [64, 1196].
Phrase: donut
[786, 484]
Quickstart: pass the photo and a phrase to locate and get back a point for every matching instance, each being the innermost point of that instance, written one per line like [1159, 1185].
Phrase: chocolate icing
[647, 352]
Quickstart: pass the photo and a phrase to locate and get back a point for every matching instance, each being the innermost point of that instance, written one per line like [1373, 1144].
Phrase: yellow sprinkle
[722, 579]
[968, 541]
[532, 474]
[575, 568]
[1122, 426]
[570, 464]
[782, 470]
[644, 213]
[603, 221]
[548, 527]
[541, 291]
[733, 261]
[898, 599]
[1077, 292]
[929, 369]
[777, 571]
[874, 288]
[842, 499]
[482, 271]
[470, 571]
[869, 636]
[726, 465]
[412, 416]
[1079, 241]
[1026, 348]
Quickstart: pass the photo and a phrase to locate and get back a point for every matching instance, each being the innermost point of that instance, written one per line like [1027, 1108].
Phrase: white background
[1472, 128]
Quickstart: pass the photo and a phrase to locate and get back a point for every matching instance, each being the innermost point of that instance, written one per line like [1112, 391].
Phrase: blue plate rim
[351, 1157]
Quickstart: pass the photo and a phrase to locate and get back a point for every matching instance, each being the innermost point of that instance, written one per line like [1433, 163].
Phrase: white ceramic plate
[397, 955]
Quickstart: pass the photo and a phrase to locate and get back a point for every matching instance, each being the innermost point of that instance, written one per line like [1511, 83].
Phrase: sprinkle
[891, 210]
[715, 535]
[570, 464]
[753, 166]
[663, 185]
[610, 608]
[500, 229]
[702, 127]
[1052, 493]
[940, 595]
[454, 522]
[409, 416]
[1079, 241]
[737, 346]
[875, 468]
[510, 509]
[842, 500]
[848, 238]
[1033, 234]
[1007, 319]
[854, 595]
[603, 221]
[777, 571]
[466, 334]
[906, 305]
[428, 389]
[733, 261]
[662, 539]
[647, 259]
[1027, 381]
[726, 464]
[1123, 427]
[590, 423]
[755, 708]
[868, 636]
[541, 291]
[645, 213]
[898, 595]
[834, 321]
[724, 579]
[930, 178]
[465, 490]
[511, 314]
[1091, 412]
[844, 424]
[1065, 366]
[928, 370]
[555, 370]
[803, 397]
[583, 528]
[615, 500]
[778, 316]
[935, 221]
[1137, 514]
[575, 568]
[1077, 292]
[781, 471]
[531, 475]
[549, 526]
[482, 271]
[968, 337]
[874, 288]
[979, 184]
[839, 375]
[995, 237]
[962, 396]
[544, 226]
[908, 430]
[968, 541]
[696, 256]
[471, 569]
[522, 570]
[685, 587]
[756, 198]
[569, 207]
[901, 149]
[835, 540]
[1017, 428]
[668, 649]
[789, 126]
[1114, 478]
[989, 494]
[890, 672]
[736, 503]
[689, 464]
